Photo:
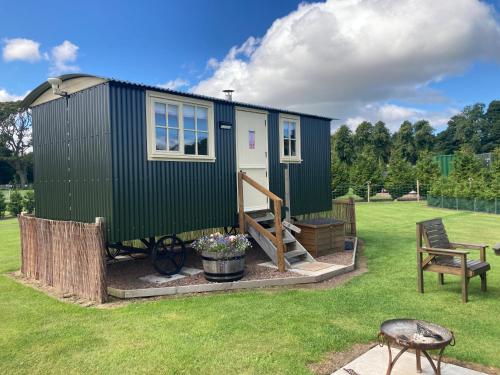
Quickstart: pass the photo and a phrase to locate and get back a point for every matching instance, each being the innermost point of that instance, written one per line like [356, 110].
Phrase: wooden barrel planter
[321, 236]
[220, 267]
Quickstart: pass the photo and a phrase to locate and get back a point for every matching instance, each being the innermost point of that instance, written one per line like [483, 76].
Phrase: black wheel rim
[169, 255]
[112, 252]
[231, 230]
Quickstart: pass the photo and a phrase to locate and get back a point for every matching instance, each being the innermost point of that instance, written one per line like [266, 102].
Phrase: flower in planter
[222, 243]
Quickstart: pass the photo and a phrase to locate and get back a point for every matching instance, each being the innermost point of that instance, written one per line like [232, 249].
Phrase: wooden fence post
[418, 191]
[279, 237]
[241, 205]
[369, 182]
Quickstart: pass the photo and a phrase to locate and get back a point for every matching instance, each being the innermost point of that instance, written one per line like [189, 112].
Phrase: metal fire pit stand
[402, 331]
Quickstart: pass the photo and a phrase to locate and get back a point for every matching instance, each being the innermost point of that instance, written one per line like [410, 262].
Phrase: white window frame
[180, 101]
[285, 158]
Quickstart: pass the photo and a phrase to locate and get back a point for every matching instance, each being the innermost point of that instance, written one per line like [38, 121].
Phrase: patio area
[374, 362]
[131, 277]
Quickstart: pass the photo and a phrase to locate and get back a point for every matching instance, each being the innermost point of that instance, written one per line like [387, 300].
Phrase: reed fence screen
[66, 255]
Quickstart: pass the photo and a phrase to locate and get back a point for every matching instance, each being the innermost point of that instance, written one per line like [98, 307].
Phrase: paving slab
[375, 361]
[160, 279]
[189, 271]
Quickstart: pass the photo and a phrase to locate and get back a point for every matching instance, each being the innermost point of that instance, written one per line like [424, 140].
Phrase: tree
[15, 205]
[469, 127]
[340, 177]
[29, 202]
[15, 134]
[366, 169]
[404, 142]
[426, 169]
[491, 136]
[381, 141]
[466, 165]
[8, 108]
[342, 144]
[363, 136]
[471, 123]
[400, 175]
[424, 137]
[3, 205]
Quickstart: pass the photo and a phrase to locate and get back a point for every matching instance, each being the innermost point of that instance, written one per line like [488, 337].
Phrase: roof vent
[229, 94]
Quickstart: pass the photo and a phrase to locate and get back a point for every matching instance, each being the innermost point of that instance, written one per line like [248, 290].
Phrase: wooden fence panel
[346, 211]
[66, 255]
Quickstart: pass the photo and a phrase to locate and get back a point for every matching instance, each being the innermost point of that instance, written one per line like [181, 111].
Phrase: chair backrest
[434, 234]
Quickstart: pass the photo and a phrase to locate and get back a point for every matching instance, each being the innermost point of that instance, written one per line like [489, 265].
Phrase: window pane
[202, 143]
[292, 130]
[161, 138]
[173, 120]
[292, 147]
[160, 118]
[173, 140]
[251, 139]
[190, 142]
[285, 130]
[286, 150]
[201, 117]
[188, 111]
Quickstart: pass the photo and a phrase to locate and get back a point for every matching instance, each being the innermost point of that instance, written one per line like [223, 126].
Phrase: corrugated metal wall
[97, 166]
[162, 197]
[72, 151]
[50, 158]
[309, 180]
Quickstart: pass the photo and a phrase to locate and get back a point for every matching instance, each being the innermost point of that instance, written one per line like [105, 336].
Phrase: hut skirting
[65, 255]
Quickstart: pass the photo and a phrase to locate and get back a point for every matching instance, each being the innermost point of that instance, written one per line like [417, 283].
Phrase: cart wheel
[233, 230]
[112, 252]
[168, 255]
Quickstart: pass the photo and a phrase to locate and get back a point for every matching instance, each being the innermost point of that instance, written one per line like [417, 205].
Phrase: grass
[350, 194]
[255, 332]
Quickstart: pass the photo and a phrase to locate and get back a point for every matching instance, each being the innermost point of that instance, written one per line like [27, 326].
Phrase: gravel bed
[125, 274]
[341, 257]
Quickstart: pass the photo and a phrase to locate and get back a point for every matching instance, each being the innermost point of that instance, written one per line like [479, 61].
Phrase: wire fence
[491, 206]
[381, 193]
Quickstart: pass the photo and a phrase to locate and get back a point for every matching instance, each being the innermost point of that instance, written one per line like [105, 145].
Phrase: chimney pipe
[229, 94]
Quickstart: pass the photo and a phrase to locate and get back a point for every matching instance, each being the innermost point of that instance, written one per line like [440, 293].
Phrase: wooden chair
[444, 256]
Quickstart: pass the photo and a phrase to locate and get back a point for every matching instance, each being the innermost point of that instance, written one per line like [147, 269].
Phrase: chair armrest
[439, 251]
[472, 246]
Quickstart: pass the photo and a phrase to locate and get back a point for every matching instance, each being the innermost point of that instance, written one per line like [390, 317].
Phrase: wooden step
[295, 253]
[261, 218]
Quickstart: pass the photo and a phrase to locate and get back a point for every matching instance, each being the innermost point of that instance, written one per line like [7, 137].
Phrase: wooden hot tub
[321, 236]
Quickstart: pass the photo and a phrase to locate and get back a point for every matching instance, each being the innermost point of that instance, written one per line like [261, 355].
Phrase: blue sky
[340, 59]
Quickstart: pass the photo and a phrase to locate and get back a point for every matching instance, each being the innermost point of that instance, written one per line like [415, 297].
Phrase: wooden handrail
[244, 218]
[260, 188]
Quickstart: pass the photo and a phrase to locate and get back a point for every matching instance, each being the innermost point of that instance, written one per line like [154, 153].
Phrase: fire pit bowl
[415, 334]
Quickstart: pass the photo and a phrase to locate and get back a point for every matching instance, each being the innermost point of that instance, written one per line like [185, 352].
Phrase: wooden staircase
[294, 252]
[269, 231]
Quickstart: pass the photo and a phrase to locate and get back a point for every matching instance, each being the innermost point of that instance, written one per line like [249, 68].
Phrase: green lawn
[255, 332]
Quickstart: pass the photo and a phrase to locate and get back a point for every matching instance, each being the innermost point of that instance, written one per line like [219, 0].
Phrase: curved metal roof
[34, 94]
[40, 89]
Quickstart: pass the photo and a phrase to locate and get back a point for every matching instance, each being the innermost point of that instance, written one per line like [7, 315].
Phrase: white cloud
[393, 115]
[337, 57]
[21, 49]
[174, 84]
[8, 97]
[62, 57]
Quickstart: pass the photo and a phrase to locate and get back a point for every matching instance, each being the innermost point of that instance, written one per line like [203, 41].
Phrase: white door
[251, 149]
